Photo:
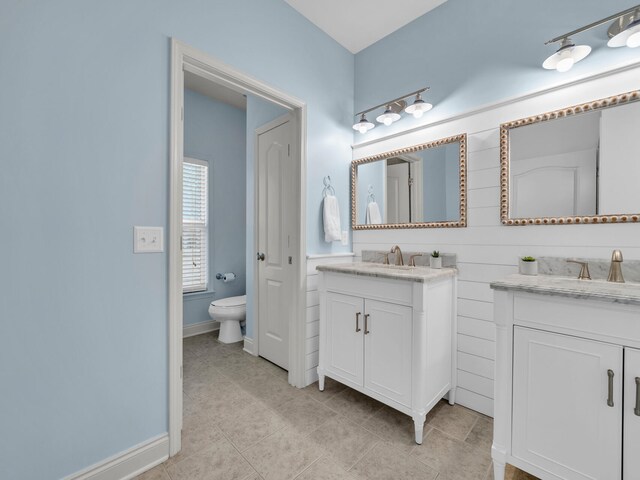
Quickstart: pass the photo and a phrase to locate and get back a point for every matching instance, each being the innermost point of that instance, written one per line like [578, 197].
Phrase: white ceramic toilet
[229, 312]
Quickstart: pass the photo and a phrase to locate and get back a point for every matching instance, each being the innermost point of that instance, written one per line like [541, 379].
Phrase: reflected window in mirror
[420, 186]
[577, 165]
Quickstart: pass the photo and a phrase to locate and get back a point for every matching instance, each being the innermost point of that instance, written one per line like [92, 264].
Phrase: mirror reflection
[420, 187]
[581, 165]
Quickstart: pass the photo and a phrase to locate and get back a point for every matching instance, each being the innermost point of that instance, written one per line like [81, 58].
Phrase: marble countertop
[394, 272]
[628, 293]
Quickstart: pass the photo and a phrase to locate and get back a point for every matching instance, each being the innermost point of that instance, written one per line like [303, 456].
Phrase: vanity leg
[418, 422]
[321, 382]
[452, 396]
[498, 470]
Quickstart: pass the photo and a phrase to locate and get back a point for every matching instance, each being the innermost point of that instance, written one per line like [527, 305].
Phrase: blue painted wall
[259, 113]
[84, 148]
[475, 53]
[217, 132]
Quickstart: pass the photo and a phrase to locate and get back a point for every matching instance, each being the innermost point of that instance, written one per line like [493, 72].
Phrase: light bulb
[634, 40]
[362, 129]
[418, 114]
[565, 64]
[387, 121]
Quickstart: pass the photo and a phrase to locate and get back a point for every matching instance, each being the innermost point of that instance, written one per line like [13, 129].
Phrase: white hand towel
[373, 216]
[331, 216]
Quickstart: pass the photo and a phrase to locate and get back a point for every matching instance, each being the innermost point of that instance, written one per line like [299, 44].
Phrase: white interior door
[275, 229]
[398, 193]
[631, 467]
[565, 420]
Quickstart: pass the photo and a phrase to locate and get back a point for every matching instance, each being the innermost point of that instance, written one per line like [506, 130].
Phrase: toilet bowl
[229, 312]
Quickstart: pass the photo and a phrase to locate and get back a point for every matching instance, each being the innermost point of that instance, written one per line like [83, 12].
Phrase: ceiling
[356, 24]
[214, 90]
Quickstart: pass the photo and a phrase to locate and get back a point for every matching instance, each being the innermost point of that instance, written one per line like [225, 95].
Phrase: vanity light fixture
[364, 125]
[388, 117]
[625, 31]
[393, 109]
[418, 107]
[567, 55]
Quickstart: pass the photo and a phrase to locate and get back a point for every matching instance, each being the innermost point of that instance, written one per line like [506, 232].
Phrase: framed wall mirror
[576, 165]
[423, 186]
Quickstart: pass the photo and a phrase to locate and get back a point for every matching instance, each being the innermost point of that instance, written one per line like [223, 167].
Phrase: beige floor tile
[452, 458]
[221, 401]
[196, 436]
[383, 462]
[324, 469]
[283, 455]
[481, 434]
[251, 425]
[455, 420]
[513, 473]
[354, 405]
[395, 428]
[331, 387]
[304, 414]
[218, 462]
[345, 442]
[271, 390]
[156, 473]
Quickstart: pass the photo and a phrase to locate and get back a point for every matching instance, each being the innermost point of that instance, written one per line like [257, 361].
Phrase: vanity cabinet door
[387, 347]
[631, 442]
[567, 408]
[344, 332]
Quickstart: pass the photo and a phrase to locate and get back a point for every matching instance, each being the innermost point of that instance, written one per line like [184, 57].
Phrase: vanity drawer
[392, 291]
[617, 323]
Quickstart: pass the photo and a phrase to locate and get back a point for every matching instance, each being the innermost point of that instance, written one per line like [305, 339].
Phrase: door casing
[184, 57]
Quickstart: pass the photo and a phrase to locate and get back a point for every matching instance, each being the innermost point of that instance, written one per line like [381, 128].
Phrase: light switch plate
[148, 239]
[344, 237]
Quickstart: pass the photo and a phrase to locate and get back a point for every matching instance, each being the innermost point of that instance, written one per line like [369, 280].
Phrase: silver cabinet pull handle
[637, 409]
[610, 398]
[358, 321]
[366, 323]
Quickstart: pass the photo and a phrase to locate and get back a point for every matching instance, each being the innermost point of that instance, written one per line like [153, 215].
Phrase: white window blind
[195, 220]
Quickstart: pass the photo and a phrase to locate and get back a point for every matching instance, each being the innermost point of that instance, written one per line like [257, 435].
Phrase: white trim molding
[128, 464]
[186, 58]
[249, 346]
[200, 328]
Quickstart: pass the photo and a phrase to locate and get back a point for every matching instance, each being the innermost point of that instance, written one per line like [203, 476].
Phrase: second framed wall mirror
[423, 186]
[580, 164]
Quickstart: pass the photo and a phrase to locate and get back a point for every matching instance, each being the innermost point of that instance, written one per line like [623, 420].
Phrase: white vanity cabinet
[390, 338]
[567, 398]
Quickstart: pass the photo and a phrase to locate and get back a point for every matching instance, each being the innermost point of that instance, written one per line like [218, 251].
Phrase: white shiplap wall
[313, 311]
[487, 250]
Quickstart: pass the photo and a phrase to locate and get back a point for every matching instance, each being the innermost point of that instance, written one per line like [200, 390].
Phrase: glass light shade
[364, 125]
[629, 37]
[566, 56]
[418, 108]
[388, 117]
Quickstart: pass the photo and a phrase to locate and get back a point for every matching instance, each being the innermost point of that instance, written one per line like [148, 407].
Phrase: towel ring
[326, 181]
[370, 197]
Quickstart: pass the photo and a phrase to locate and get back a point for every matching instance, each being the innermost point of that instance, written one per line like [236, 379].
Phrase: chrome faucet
[398, 255]
[615, 271]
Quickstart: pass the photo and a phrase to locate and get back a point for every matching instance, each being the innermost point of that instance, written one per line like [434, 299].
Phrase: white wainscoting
[313, 310]
[487, 250]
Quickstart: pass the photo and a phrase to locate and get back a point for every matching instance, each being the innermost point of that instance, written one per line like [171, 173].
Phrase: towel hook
[327, 186]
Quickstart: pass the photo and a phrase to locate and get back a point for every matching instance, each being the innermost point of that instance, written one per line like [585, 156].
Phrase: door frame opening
[186, 58]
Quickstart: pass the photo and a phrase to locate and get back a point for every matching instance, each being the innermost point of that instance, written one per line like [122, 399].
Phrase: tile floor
[243, 421]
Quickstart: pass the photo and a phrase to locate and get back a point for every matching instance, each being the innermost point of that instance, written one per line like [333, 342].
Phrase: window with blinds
[195, 220]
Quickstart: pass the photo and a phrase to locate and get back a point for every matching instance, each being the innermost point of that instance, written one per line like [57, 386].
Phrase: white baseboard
[129, 463]
[248, 346]
[199, 328]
